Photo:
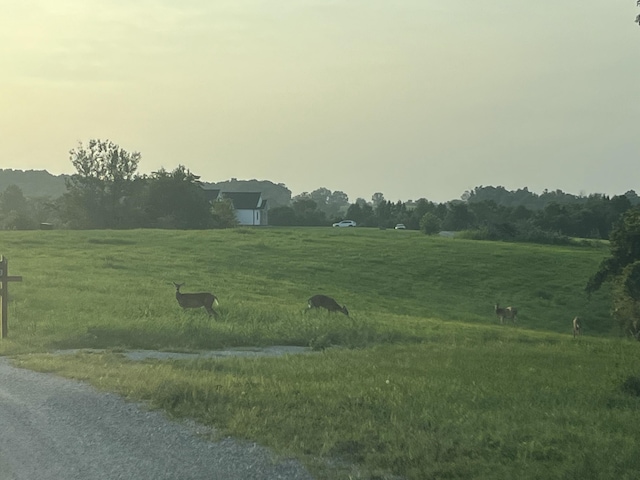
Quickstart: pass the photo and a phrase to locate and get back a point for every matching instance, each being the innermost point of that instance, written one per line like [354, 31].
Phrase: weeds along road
[53, 428]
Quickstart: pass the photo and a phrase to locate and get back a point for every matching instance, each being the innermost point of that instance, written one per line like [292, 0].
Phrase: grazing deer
[577, 327]
[196, 300]
[510, 313]
[322, 301]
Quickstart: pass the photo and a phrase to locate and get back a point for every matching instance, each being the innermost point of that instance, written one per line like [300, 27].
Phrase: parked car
[345, 223]
[400, 226]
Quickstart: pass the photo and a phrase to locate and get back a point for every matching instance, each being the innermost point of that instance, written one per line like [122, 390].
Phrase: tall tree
[361, 213]
[307, 212]
[12, 200]
[96, 193]
[337, 204]
[15, 211]
[383, 211]
[458, 217]
[176, 200]
[377, 198]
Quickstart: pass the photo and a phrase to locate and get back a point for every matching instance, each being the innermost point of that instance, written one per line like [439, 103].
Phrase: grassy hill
[424, 382]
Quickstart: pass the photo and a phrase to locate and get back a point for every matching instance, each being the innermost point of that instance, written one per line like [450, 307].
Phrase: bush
[430, 224]
[522, 232]
[527, 232]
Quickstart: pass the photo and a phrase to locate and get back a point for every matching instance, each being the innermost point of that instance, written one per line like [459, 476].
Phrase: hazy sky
[411, 98]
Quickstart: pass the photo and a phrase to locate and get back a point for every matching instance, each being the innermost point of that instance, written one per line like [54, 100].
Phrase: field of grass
[422, 383]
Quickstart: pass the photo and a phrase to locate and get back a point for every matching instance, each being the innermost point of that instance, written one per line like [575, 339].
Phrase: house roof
[211, 194]
[245, 200]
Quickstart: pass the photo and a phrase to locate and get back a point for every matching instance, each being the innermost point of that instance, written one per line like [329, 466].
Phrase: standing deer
[322, 301]
[577, 327]
[196, 300]
[510, 313]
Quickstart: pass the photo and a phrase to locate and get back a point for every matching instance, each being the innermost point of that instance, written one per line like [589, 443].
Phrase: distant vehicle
[345, 223]
[400, 226]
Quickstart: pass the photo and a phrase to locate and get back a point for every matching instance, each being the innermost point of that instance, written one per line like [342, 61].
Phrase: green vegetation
[106, 192]
[424, 382]
[622, 269]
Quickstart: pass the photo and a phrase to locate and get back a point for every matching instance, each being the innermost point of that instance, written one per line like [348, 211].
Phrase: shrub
[430, 224]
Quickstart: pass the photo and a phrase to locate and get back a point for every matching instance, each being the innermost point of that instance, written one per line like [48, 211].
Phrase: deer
[510, 313]
[322, 301]
[196, 300]
[577, 327]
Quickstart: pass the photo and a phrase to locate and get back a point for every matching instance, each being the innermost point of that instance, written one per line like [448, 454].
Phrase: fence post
[4, 292]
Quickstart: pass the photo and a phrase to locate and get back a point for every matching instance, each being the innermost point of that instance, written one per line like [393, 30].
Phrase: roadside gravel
[52, 428]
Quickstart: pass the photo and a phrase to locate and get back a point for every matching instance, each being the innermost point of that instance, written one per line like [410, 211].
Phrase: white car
[345, 223]
[400, 226]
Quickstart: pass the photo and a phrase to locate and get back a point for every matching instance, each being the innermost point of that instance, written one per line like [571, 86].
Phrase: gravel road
[53, 428]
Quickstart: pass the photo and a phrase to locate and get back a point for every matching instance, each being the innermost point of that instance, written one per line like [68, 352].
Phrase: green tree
[223, 214]
[376, 199]
[384, 214]
[321, 196]
[282, 216]
[622, 269]
[12, 199]
[361, 213]
[331, 203]
[337, 204]
[15, 212]
[555, 218]
[307, 212]
[97, 192]
[458, 217]
[176, 200]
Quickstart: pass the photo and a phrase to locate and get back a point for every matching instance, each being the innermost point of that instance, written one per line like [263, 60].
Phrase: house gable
[250, 208]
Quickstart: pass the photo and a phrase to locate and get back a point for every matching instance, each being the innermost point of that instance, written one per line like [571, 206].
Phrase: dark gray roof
[211, 194]
[245, 200]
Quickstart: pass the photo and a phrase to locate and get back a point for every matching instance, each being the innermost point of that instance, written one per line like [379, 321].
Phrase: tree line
[486, 213]
[107, 192]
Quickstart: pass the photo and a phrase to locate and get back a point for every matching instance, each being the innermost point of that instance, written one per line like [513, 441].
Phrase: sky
[408, 98]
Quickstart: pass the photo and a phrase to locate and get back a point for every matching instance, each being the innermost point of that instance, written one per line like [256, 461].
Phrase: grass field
[422, 381]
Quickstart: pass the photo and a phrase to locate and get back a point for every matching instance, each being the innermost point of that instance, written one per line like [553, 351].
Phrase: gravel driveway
[53, 428]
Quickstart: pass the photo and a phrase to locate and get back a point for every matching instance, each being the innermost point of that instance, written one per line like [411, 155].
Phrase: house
[250, 208]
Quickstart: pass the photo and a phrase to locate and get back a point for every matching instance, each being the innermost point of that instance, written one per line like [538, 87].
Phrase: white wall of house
[246, 217]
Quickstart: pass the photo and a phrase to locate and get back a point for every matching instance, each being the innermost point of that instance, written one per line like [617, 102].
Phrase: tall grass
[424, 384]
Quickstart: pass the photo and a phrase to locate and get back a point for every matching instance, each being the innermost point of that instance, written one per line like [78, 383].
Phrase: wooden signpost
[4, 291]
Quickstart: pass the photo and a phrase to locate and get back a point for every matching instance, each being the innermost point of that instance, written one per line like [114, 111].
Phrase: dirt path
[272, 351]
[52, 428]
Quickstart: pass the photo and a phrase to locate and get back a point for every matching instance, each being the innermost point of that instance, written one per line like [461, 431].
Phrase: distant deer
[510, 313]
[196, 300]
[577, 327]
[322, 301]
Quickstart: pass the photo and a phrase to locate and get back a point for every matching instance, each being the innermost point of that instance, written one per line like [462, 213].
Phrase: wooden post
[4, 291]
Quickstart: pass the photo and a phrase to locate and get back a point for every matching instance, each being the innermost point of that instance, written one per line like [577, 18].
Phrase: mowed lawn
[420, 381]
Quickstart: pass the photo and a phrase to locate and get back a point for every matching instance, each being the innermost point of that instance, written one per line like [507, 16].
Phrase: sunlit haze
[410, 98]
